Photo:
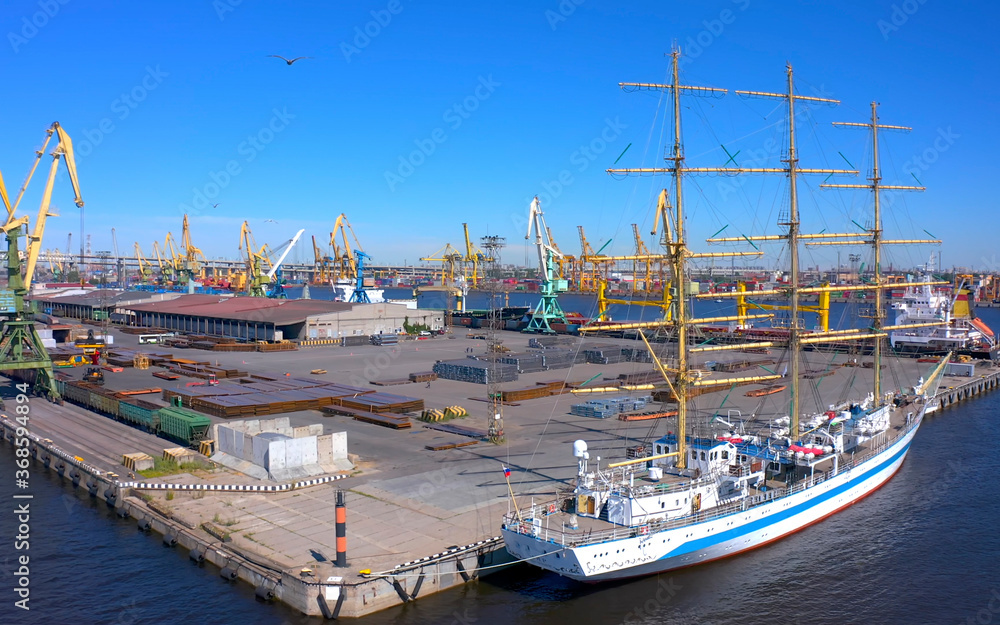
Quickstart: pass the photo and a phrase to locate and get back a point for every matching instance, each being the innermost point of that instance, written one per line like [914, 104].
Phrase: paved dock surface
[405, 501]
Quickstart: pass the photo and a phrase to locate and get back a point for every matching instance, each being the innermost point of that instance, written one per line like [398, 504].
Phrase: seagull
[215, 206]
[271, 220]
[276, 56]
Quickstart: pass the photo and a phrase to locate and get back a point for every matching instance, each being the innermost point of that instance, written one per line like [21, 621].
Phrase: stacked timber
[742, 364]
[475, 371]
[526, 362]
[423, 376]
[280, 346]
[604, 354]
[609, 407]
[201, 370]
[394, 421]
[261, 398]
[542, 389]
[637, 354]
[647, 416]
[381, 402]
[123, 357]
[550, 342]
[562, 358]
[640, 377]
[142, 330]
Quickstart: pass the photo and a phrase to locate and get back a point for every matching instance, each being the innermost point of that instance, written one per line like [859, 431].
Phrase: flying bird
[215, 206]
[271, 220]
[276, 56]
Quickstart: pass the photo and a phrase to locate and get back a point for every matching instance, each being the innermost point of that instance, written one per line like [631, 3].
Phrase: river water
[923, 549]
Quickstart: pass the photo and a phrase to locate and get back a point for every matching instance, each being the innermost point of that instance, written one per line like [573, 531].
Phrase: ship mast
[676, 251]
[792, 236]
[876, 233]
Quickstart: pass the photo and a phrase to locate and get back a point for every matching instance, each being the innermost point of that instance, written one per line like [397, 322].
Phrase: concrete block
[309, 453]
[315, 429]
[253, 426]
[293, 453]
[238, 438]
[260, 447]
[226, 440]
[338, 442]
[300, 432]
[287, 431]
[324, 448]
[282, 422]
[247, 447]
[276, 456]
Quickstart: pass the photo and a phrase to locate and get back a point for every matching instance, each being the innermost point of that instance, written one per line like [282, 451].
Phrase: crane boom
[288, 248]
[64, 151]
[6, 200]
[347, 266]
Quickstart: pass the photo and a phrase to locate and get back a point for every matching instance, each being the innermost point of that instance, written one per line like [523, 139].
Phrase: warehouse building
[263, 319]
[94, 303]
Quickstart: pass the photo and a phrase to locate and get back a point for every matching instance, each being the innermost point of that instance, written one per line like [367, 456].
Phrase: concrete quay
[418, 521]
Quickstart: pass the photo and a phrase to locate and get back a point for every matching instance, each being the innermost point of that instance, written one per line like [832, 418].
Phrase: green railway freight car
[183, 425]
[140, 413]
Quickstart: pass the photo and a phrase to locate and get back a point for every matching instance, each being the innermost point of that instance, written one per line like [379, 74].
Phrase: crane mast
[548, 311]
[21, 348]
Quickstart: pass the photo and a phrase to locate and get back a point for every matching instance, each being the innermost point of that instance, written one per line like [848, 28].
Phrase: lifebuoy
[552, 508]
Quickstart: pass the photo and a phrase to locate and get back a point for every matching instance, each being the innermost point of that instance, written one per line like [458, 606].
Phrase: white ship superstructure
[936, 327]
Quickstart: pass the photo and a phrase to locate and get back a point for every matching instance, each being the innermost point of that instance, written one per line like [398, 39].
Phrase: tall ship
[716, 484]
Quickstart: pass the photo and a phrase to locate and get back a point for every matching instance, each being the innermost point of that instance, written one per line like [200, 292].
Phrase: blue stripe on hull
[777, 517]
[723, 544]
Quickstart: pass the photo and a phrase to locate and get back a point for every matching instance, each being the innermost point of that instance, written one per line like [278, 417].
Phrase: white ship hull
[634, 554]
[343, 290]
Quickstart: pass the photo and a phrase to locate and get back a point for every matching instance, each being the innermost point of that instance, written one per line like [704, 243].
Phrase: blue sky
[414, 117]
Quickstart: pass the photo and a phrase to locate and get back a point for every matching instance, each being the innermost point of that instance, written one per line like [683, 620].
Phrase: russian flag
[506, 472]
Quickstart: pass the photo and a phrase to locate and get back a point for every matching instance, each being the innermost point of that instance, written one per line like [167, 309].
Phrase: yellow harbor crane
[344, 263]
[474, 257]
[176, 260]
[647, 264]
[561, 259]
[166, 269]
[450, 259]
[55, 264]
[321, 267]
[193, 262]
[145, 268]
[591, 276]
[21, 347]
[255, 278]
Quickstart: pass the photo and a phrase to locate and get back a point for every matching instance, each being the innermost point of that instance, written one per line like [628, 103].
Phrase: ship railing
[525, 522]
